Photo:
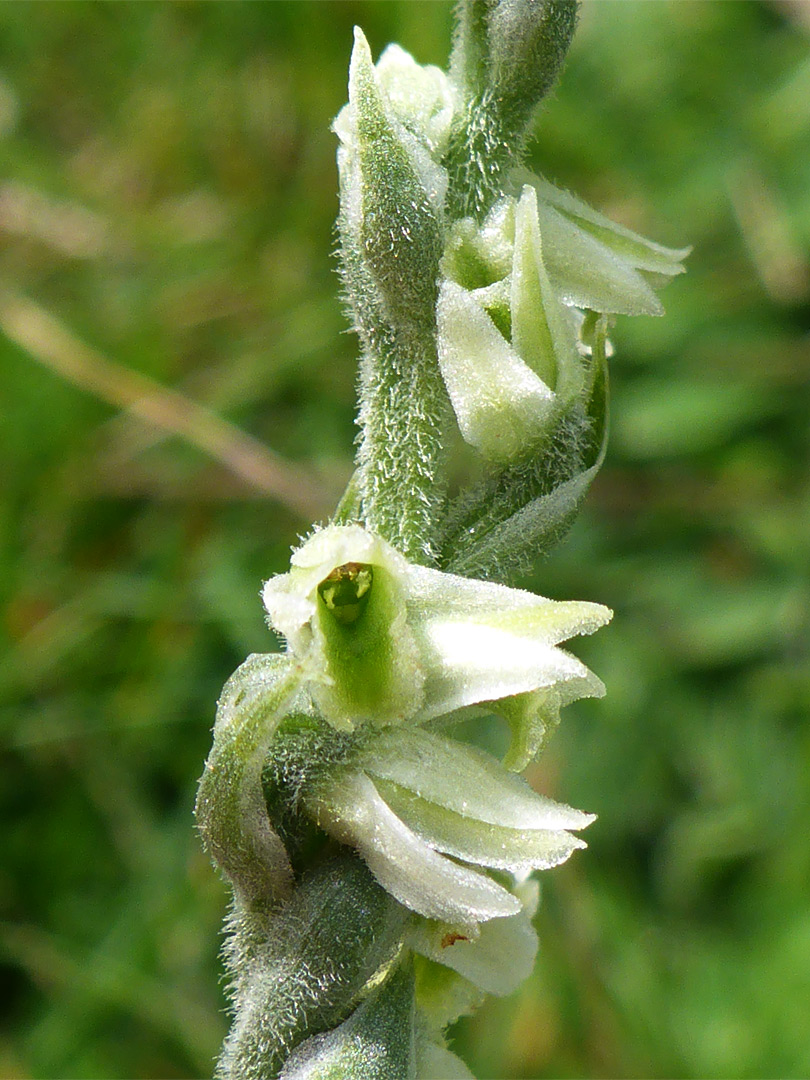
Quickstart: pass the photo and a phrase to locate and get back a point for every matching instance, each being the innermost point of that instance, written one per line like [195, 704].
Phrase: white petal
[479, 842]
[587, 273]
[636, 249]
[467, 663]
[542, 331]
[464, 779]
[350, 809]
[498, 960]
[499, 402]
[433, 594]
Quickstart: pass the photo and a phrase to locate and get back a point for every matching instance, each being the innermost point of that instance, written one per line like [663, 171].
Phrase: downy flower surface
[508, 346]
[386, 645]
[383, 640]
[512, 305]
[383, 652]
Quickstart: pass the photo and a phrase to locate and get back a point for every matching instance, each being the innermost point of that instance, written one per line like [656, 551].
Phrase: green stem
[403, 417]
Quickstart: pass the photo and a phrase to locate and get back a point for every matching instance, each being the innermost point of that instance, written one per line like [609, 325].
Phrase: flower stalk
[382, 866]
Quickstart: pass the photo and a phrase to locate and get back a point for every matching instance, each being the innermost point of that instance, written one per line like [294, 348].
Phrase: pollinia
[381, 866]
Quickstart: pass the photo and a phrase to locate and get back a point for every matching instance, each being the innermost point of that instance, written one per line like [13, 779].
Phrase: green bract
[393, 189]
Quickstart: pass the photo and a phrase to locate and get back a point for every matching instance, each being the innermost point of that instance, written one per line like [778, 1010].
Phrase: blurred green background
[167, 197]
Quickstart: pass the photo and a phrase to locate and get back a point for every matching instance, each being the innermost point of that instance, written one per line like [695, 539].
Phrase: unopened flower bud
[392, 191]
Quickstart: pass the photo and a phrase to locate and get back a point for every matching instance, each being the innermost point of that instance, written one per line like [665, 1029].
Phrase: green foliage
[197, 135]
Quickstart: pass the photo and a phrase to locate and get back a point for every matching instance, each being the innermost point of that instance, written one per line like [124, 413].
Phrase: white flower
[510, 328]
[377, 647]
[409, 798]
[416, 643]
[384, 646]
[507, 344]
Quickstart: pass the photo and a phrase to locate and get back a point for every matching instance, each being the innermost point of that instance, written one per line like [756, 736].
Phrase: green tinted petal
[349, 807]
[534, 717]
[641, 253]
[587, 273]
[362, 667]
[476, 841]
[501, 404]
[542, 331]
[442, 995]
[463, 779]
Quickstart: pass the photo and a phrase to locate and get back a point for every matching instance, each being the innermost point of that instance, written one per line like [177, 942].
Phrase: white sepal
[501, 404]
[463, 779]
[642, 253]
[595, 263]
[349, 808]
[481, 641]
